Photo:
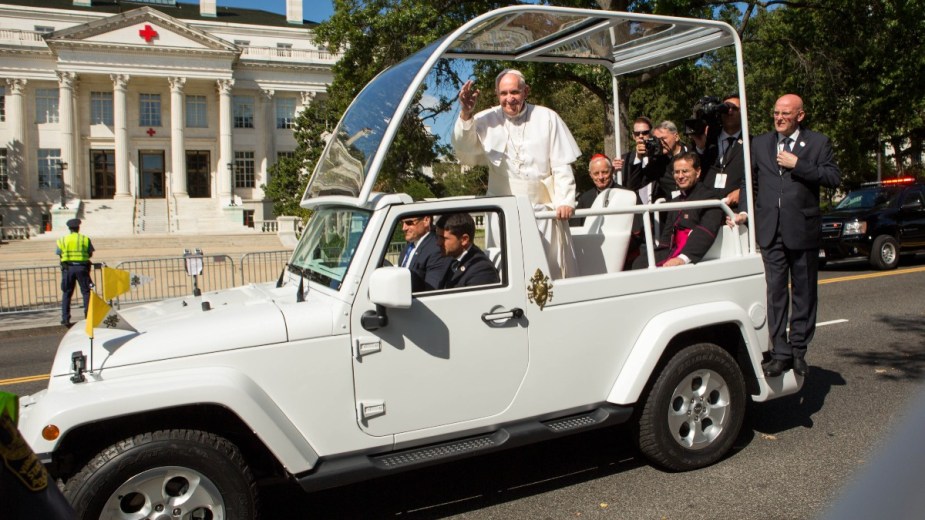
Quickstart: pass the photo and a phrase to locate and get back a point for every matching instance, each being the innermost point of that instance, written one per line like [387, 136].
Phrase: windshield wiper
[300, 295]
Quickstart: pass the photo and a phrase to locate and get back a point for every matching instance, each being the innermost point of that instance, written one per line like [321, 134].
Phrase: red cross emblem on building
[151, 132]
[148, 33]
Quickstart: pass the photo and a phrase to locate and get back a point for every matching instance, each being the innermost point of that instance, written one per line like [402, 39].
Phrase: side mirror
[388, 287]
[391, 287]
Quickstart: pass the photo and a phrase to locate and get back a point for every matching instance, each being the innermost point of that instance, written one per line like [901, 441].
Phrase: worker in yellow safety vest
[75, 251]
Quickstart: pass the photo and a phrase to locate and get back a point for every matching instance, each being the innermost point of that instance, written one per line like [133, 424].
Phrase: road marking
[24, 379]
[830, 322]
[872, 275]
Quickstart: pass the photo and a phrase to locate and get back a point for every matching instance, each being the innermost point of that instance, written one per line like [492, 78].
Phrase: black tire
[694, 411]
[884, 253]
[201, 474]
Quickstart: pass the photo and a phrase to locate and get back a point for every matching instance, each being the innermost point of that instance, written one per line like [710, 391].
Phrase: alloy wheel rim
[698, 410]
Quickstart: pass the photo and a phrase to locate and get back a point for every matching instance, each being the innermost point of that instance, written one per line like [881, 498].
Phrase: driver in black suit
[422, 255]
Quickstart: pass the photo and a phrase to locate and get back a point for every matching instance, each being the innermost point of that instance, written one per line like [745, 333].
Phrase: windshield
[328, 244]
[869, 198]
[345, 164]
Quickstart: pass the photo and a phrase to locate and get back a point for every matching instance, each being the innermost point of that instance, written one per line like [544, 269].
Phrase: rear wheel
[186, 474]
[694, 411]
[884, 254]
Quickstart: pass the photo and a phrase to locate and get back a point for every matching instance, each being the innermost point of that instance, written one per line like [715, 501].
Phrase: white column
[16, 145]
[66, 83]
[177, 142]
[264, 144]
[119, 85]
[225, 178]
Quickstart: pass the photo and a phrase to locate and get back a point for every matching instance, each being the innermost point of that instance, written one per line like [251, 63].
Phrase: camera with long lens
[707, 112]
[654, 147]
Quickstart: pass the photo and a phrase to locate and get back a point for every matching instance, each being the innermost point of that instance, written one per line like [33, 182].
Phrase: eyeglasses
[410, 221]
[644, 132]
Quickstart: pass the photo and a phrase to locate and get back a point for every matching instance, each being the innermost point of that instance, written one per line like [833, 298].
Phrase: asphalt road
[794, 456]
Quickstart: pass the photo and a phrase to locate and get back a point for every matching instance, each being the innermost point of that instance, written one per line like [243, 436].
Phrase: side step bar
[340, 471]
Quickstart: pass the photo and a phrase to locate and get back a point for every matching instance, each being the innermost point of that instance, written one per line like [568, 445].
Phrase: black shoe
[67, 323]
[776, 367]
[800, 367]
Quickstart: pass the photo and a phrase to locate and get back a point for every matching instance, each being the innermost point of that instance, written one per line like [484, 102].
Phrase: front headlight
[858, 227]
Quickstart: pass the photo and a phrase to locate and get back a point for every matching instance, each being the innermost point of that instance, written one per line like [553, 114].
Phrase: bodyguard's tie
[788, 144]
[409, 252]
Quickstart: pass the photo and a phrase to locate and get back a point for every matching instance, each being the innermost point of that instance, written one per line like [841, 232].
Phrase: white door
[443, 360]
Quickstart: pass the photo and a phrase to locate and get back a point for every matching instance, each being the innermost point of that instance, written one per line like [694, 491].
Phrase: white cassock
[528, 155]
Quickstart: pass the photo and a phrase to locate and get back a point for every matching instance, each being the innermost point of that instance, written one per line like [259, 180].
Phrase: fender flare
[659, 331]
[108, 399]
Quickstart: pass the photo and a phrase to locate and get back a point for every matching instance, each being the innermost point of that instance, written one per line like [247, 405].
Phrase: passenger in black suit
[470, 266]
[789, 165]
[422, 255]
[725, 171]
[600, 170]
[687, 234]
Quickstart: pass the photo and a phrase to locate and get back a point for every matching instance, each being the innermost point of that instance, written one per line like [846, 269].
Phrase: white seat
[724, 245]
[601, 243]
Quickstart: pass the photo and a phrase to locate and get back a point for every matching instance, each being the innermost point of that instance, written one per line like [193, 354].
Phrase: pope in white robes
[529, 152]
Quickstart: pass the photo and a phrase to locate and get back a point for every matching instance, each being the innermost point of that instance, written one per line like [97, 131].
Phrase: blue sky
[314, 10]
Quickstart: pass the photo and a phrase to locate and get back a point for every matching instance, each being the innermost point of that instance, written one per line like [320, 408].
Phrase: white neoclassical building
[148, 115]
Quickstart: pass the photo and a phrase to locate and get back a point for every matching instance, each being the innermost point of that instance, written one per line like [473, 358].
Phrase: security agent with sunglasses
[656, 165]
[422, 255]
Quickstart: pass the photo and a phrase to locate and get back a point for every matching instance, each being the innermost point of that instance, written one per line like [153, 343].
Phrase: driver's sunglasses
[410, 221]
[641, 133]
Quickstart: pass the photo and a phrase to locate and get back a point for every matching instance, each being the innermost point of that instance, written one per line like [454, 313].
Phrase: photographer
[726, 170]
[653, 161]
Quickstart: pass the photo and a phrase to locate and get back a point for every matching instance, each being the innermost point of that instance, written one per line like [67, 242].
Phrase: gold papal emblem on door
[540, 289]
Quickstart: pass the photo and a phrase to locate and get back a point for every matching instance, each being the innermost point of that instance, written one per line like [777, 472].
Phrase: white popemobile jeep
[338, 373]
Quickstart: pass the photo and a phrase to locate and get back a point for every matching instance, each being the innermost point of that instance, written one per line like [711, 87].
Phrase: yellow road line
[24, 379]
[872, 275]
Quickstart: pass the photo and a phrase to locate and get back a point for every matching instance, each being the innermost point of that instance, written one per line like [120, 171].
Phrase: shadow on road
[796, 410]
[903, 358]
[467, 485]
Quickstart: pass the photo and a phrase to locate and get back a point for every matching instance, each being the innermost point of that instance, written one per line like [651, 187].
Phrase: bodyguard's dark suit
[428, 265]
[732, 163]
[704, 224]
[788, 225]
[475, 268]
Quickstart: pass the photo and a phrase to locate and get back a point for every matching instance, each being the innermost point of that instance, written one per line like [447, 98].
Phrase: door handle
[491, 317]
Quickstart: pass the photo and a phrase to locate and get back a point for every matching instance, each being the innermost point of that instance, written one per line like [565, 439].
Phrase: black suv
[876, 222]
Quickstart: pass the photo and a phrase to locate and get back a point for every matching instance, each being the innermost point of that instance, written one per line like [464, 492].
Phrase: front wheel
[884, 253]
[694, 411]
[186, 474]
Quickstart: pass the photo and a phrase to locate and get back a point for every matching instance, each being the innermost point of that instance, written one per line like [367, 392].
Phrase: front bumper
[838, 248]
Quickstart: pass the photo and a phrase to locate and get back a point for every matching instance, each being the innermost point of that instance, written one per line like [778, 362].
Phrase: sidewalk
[12, 325]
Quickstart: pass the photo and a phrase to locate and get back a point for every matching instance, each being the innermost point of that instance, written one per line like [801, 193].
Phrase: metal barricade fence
[169, 277]
[263, 267]
[37, 288]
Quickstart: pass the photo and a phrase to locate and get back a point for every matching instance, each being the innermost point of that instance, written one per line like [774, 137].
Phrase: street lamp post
[231, 178]
[61, 167]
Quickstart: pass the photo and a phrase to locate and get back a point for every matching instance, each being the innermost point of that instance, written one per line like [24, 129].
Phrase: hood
[242, 317]
[849, 214]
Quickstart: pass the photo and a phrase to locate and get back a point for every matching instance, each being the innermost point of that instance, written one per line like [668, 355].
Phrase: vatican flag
[115, 282]
[99, 314]
[96, 311]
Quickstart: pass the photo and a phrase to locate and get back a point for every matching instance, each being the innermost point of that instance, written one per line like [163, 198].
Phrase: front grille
[831, 229]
